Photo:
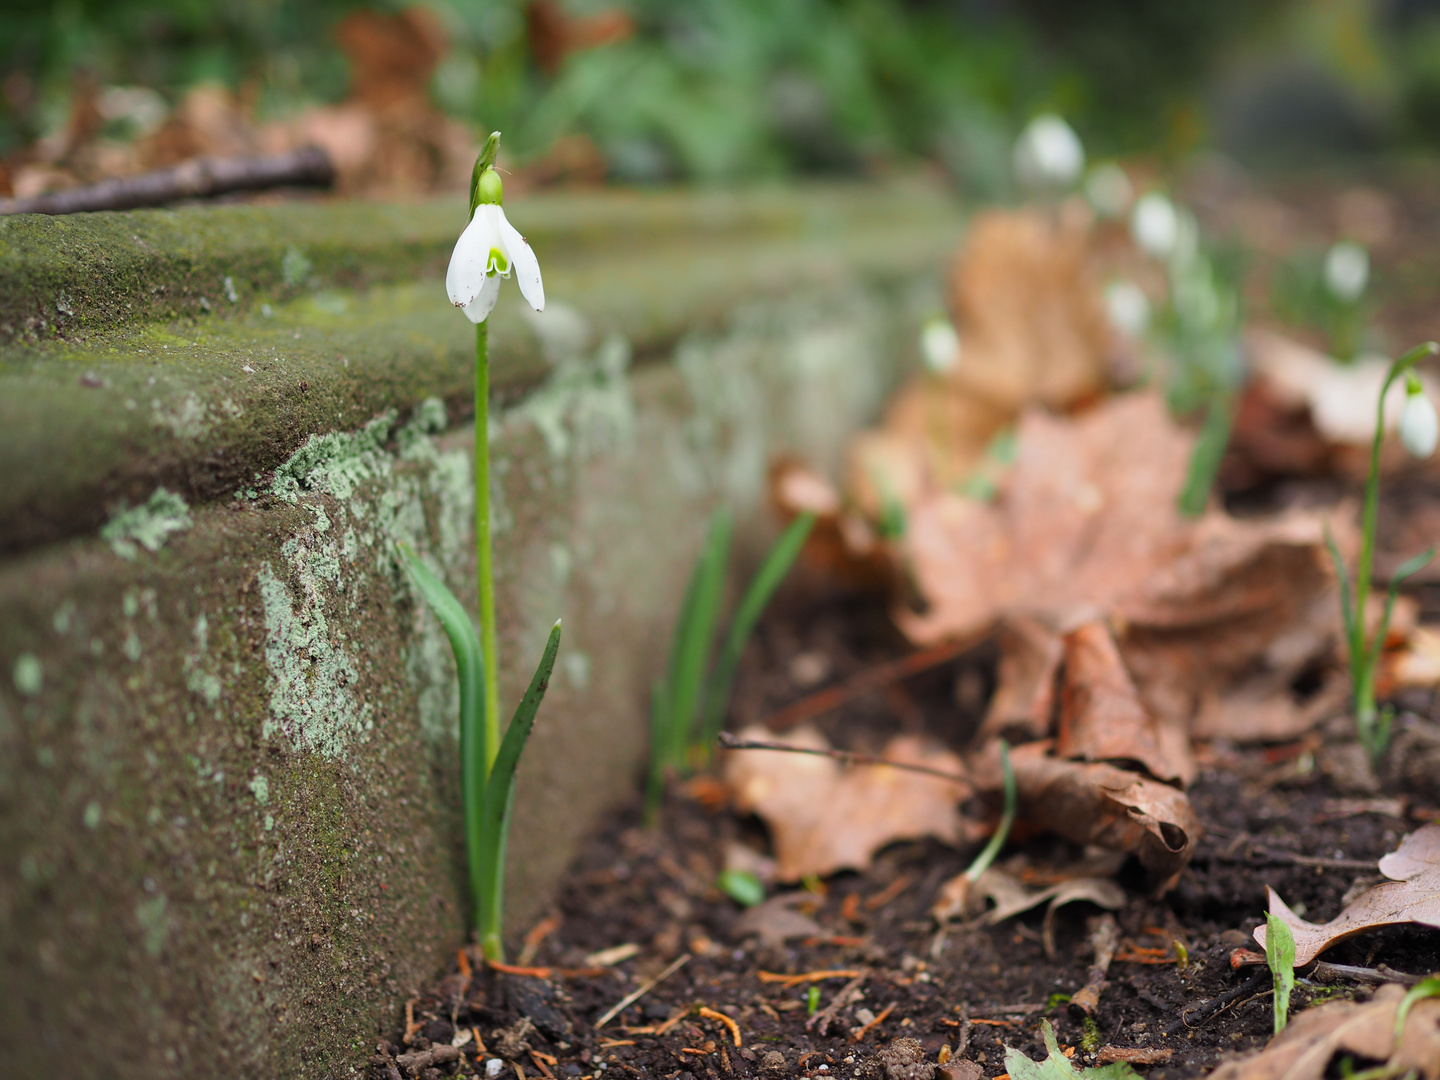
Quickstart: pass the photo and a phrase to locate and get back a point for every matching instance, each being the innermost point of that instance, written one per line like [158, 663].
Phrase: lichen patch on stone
[148, 525]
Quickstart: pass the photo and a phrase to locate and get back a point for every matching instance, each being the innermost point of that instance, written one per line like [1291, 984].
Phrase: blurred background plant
[652, 90]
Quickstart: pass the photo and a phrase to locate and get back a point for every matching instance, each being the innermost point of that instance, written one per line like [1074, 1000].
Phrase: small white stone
[493, 1067]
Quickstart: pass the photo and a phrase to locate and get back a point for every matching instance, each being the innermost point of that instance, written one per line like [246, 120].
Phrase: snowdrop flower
[939, 344]
[1128, 308]
[489, 249]
[1419, 426]
[1048, 154]
[1156, 225]
[1109, 190]
[1347, 271]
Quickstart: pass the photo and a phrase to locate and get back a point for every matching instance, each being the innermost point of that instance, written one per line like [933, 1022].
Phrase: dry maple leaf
[1314, 1038]
[1412, 896]
[825, 817]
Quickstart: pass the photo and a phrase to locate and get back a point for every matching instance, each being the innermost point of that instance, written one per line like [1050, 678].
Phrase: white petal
[466, 275]
[524, 263]
[478, 310]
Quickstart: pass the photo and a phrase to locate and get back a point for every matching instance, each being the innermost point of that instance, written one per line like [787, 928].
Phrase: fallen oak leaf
[1316, 1037]
[1411, 896]
[1097, 803]
[824, 817]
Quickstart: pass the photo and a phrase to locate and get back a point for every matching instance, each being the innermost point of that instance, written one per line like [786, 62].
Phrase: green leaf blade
[500, 799]
[470, 669]
[772, 572]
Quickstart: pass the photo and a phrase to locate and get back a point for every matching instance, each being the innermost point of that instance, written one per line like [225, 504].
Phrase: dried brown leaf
[1101, 715]
[1086, 525]
[825, 817]
[1314, 1038]
[776, 921]
[1411, 896]
[1097, 803]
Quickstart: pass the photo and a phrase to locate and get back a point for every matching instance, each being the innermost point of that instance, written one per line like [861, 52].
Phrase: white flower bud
[1109, 190]
[1128, 308]
[939, 345]
[1347, 271]
[1155, 225]
[1419, 426]
[1048, 154]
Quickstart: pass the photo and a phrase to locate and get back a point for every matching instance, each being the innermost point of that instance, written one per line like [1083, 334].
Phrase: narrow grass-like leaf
[1347, 608]
[1007, 818]
[470, 666]
[697, 635]
[1280, 956]
[767, 579]
[1425, 988]
[659, 739]
[500, 797]
[1205, 458]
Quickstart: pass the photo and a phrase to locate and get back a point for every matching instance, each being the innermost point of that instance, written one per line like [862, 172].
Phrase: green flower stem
[484, 570]
[1363, 656]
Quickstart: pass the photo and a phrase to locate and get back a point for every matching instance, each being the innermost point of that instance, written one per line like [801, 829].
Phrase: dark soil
[1282, 816]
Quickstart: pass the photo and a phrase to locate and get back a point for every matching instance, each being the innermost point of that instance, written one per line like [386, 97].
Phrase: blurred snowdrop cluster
[939, 344]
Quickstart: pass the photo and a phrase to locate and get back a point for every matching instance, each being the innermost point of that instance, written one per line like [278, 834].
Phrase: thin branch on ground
[849, 757]
[199, 178]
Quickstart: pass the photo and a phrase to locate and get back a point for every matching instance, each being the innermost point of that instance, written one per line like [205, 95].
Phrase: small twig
[859, 1036]
[872, 679]
[822, 1020]
[1104, 939]
[634, 996]
[715, 1014]
[538, 933]
[198, 178]
[962, 1038]
[807, 976]
[1331, 973]
[1189, 1018]
[849, 757]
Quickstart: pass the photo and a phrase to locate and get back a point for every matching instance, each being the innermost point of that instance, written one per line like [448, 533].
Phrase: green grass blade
[1408, 568]
[697, 635]
[1205, 458]
[1007, 818]
[659, 734]
[1347, 604]
[470, 666]
[500, 797]
[781, 557]
[1425, 988]
[1280, 956]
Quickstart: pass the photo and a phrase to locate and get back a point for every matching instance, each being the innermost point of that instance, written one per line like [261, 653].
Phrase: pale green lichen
[29, 674]
[154, 923]
[132, 648]
[148, 525]
[260, 788]
[295, 267]
[200, 678]
[311, 675]
[336, 462]
[308, 652]
[587, 406]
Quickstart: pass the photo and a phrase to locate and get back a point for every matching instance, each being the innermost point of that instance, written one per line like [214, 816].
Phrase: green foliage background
[712, 89]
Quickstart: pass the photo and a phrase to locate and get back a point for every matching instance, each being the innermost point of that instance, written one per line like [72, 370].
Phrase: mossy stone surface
[228, 785]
